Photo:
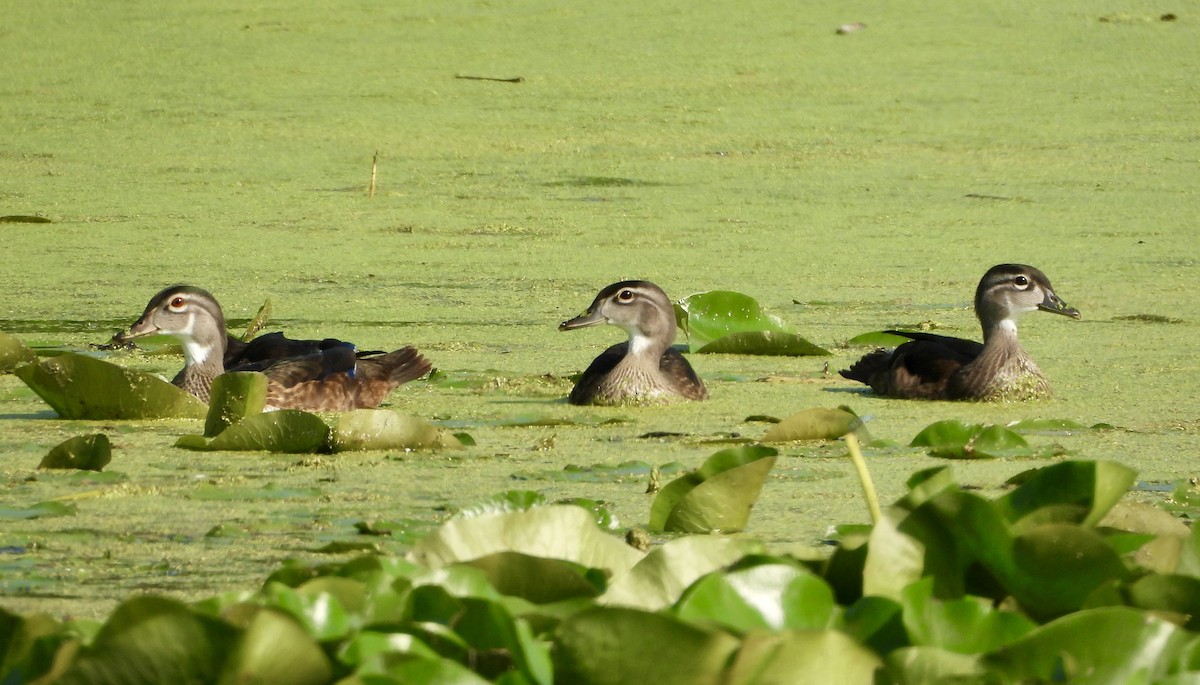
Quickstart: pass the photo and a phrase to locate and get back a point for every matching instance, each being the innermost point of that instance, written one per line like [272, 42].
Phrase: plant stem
[864, 477]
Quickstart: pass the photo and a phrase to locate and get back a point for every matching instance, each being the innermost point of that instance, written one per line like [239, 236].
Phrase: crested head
[188, 313]
[641, 308]
[1007, 291]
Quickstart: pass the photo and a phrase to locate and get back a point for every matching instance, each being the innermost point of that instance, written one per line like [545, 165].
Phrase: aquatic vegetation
[1035, 586]
[81, 387]
[718, 496]
[83, 452]
[722, 321]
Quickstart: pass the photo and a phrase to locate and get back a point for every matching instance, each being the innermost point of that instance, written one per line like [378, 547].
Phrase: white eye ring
[1021, 282]
[177, 303]
[625, 296]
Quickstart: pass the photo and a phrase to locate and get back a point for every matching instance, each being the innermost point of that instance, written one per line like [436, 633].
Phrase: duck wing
[336, 380]
[920, 368]
[588, 385]
[683, 378]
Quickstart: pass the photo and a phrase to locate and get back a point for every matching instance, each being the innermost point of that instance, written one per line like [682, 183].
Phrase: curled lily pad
[233, 397]
[383, 429]
[718, 496]
[959, 440]
[712, 315]
[290, 430]
[816, 423]
[13, 353]
[275, 649]
[80, 387]
[84, 452]
[767, 343]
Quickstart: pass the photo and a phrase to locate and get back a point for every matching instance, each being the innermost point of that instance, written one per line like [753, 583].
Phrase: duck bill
[141, 329]
[591, 318]
[1055, 305]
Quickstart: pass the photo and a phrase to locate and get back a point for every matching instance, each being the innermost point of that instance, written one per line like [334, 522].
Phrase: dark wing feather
[681, 375]
[589, 382]
[920, 368]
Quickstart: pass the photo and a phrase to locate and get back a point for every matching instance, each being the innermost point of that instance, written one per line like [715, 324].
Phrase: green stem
[864, 477]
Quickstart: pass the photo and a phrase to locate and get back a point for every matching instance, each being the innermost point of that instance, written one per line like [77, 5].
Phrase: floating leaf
[965, 625]
[274, 650]
[84, 452]
[707, 316]
[878, 339]
[614, 646]
[766, 343]
[827, 656]
[555, 532]
[80, 387]
[149, 640]
[13, 353]
[813, 424]
[1046, 426]
[538, 579]
[1079, 492]
[233, 397]
[718, 496]
[770, 596]
[959, 440]
[383, 429]
[37, 511]
[503, 502]
[290, 430]
[660, 577]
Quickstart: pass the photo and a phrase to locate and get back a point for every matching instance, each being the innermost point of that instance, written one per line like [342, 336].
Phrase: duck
[938, 367]
[315, 375]
[645, 369]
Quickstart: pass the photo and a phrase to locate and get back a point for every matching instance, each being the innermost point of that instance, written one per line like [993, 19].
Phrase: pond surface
[848, 182]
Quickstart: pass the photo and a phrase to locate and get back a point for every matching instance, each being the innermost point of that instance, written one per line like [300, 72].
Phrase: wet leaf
[769, 596]
[503, 502]
[956, 439]
[84, 452]
[1046, 426]
[1109, 645]
[966, 625]
[661, 577]
[708, 316]
[13, 353]
[233, 397]
[80, 387]
[813, 424]
[716, 497]
[827, 656]
[877, 339]
[766, 343]
[383, 429]
[289, 430]
[554, 532]
[259, 321]
[37, 511]
[538, 579]
[151, 640]
[1072, 491]
[275, 649]
[617, 646]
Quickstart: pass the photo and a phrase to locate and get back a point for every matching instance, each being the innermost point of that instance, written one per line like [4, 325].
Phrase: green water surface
[848, 182]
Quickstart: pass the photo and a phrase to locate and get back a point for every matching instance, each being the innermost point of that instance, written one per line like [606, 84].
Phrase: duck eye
[625, 296]
[1021, 282]
[177, 302]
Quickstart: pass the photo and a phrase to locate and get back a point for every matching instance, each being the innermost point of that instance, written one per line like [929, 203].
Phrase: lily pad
[233, 397]
[81, 387]
[817, 423]
[718, 496]
[84, 452]
[383, 429]
[771, 596]
[13, 353]
[955, 439]
[290, 430]
[40, 510]
[877, 339]
[708, 316]
[275, 650]
[766, 343]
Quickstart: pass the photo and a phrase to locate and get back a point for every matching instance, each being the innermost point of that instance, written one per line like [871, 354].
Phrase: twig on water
[515, 79]
[374, 169]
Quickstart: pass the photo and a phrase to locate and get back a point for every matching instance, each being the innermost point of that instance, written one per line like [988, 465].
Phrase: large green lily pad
[13, 353]
[817, 423]
[80, 387]
[956, 439]
[289, 430]
[716, 497]
[233, 397]
[383, 429]
[723, 321]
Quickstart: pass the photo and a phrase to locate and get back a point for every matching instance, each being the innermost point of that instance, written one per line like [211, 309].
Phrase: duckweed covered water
[849, 183]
